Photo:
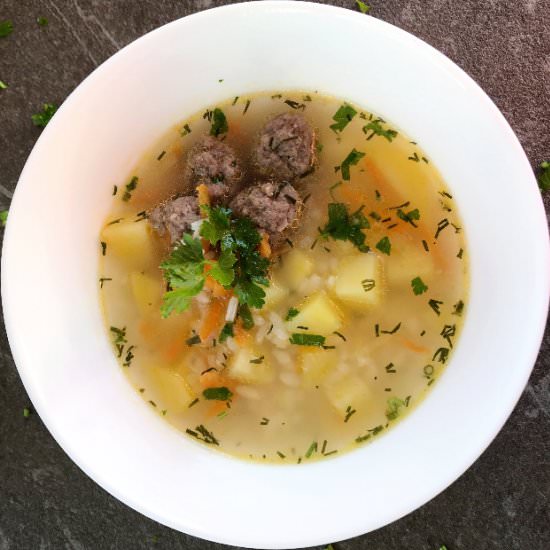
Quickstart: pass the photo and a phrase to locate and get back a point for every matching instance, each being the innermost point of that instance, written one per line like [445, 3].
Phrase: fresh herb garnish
[342, 117]
[307, 339]
[41, 119]
[434, 304]
[351, 160]
[448, 332]
[246, 316]
[414, 157]
[394, 405]
[218, 394]
[3, 217]
[441, 226]
[349, 413]
[384, 245]
[292, 312]
[409, 217]
[378, 130]
[368, 284]
[392, 331]
[312, 449]
[544, 176]
[219, 123]
[418, 286]
[201, 433]
[42, 21]
[390, 368]
[119, 338]
[226, 332]
[363, 8]
[6, 28]
[129, 188]
[344, 226]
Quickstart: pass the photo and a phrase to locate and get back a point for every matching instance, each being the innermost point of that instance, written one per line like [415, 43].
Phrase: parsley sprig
[343, 226]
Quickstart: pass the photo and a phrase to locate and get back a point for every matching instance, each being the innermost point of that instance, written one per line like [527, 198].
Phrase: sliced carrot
[203, 197]
[213, 321]
[217, 290]
[174, 350]
[264, 248]
[413, 346]
[217, 408]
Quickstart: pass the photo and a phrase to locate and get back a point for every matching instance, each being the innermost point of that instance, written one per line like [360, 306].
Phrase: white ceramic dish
[50, 272]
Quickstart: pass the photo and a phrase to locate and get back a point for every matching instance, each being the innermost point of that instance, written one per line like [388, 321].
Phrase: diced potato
[408, 261]
[315, 364]
[319, 314]
[274, 294]
[358, 282]
[296, 267]
[350, 391]
[173, 388]
[147, 291]
[242, 368]
[131, 241]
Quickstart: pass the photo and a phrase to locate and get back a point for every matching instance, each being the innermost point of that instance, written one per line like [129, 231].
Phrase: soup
[283, 276]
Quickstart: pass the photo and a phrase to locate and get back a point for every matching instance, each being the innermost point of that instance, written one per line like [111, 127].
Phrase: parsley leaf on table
[6, 28]
[41, 119]
[544, 176]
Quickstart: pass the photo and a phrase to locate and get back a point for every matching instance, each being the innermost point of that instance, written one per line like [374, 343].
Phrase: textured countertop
[47, 503]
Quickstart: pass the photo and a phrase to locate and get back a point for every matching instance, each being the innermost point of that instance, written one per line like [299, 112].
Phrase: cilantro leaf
[300, 339]
[378, 130]
[363, 6]
[343, 226]
[544, 176]
[342, 117]
[384, 245]
[394, 405]
[6, 28]
[222, 270]
[3, 217]
[219, 394]
[351, 160]
[219, 123]
[41, 119]
[418, 286]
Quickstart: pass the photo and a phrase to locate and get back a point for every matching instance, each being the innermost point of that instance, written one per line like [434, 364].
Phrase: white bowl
[50, 272]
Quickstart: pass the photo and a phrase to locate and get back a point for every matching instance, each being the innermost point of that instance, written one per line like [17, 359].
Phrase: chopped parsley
[6, 28]
[384, 245]
[307, 339]
[418, 286]
[129, 188]
[378, 130]
[226, 332]
[343, 116]
[344, 226]
[202, 434]
[393, 407]
[3, 217]
[292, 312]
[42, 119]
[218, 394]
[409, 216]
[246, 316]
[42, 21]
[363, 8]
[544, 176]
[219, 123]
[351, 160]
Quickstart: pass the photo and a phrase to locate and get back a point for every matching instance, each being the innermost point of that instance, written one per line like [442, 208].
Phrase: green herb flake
[129, 188]
[363, 8]
[418, 286]
[203, 434]
[312, 449]
[258, 360]
[264, 422]
[219, 123]
[185, 130]
[3, 218]
[103, 280]
[103, 248]
[218, 394]
[42, 21]
[351, 160]
[435, 304]
[409, 217]
[458, 308]
[384, 245]
[292, 312]
[295, 105]
[368, 284]
[226, 332]
[544, 176]
[375, 128]
[349, 413]
[344, 226]
[247, 105]
[245, 316]
[281, 455]
[26, 412]
[41, 119]
[441, 226]
[394, 405]
[307, 339]
[193, 403]
[392, 331]
[6, 28]
[343, 116]
[3, 85]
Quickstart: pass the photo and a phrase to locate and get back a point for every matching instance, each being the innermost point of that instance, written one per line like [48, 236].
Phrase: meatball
[273, 207]
[286, 147]
[175, 216]
[215, 164]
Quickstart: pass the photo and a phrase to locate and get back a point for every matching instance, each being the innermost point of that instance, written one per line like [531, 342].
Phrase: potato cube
[296, 267]
[274, 294]
[407, 261]
[249, 367]
[131, 241]
[174, 389]
[358, 282]
[350, 391]
[315, 364]
[147, 291]
[319, 314]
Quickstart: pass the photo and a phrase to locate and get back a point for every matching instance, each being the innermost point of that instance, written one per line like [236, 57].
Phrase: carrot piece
[213, 320]
[240, 334]
[174, 350]
[264, 248]
[413, 346]
[203, 197]
[212, 379]
[216, 408]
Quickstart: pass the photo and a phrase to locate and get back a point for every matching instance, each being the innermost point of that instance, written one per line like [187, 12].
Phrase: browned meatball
[175, 216]
[286, 147]
[215, 164]
[273, 207]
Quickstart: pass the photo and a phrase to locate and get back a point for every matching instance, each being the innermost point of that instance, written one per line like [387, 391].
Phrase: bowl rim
[11, 328]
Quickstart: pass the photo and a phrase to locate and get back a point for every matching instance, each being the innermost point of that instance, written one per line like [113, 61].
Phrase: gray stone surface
[46, 502]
